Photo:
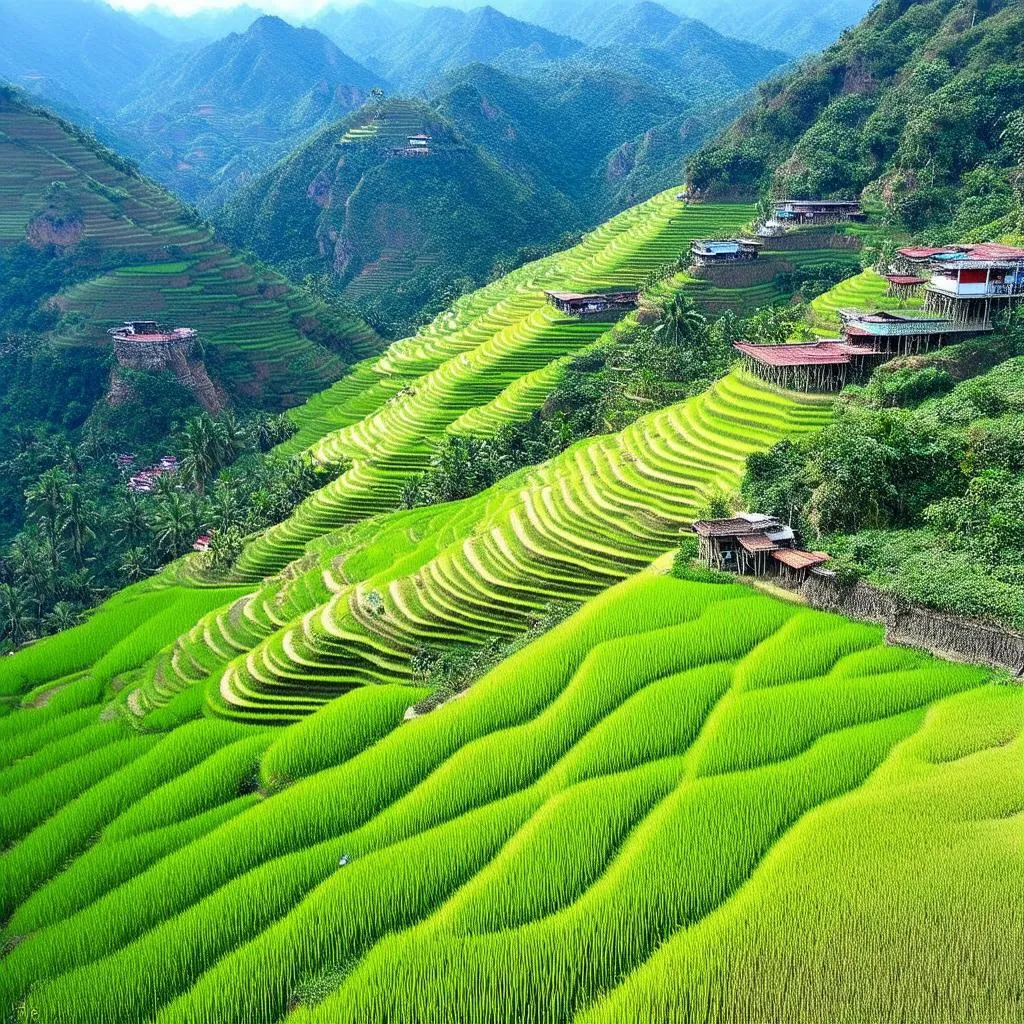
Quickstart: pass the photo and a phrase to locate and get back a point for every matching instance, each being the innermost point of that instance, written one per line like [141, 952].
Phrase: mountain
[210, 119]
[682, 56]
[918, 107]
[202, 27]
[86, 242]
[396, 219]
[574, 140]
[411, 46]
[78, 54]
[796, 26]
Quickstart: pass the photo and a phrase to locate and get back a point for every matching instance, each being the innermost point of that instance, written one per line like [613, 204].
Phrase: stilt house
[595, 304]
[753, 543]
[710, 252]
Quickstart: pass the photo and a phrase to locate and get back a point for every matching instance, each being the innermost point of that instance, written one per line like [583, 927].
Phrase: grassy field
[151, 259]
[667, 803]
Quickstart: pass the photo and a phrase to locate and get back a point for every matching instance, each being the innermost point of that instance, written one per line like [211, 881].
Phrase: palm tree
[62, 616]
[231, 437]
[16, 619]
[135, 564]
[175, 524]
[681, 321]
[45, 501]
[201, 449]
[75, 522]
[131, 520]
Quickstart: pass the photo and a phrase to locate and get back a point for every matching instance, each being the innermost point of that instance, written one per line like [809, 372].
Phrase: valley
[499, 572]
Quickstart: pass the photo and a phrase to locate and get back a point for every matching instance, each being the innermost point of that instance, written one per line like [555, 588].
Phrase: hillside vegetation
[131, 250]
[515, 164]
[202, 123]
[918, 106]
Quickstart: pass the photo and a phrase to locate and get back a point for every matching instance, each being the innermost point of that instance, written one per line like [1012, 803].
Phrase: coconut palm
[16, 619]
[175, 523]
[681, 321]
[201, 447]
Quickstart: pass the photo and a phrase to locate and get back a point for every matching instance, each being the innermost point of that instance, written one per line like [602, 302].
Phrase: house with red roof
[968, 284]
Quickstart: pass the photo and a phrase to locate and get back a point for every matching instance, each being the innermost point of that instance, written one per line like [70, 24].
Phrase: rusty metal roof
[797, 559]
[726, 527]
[756, 542]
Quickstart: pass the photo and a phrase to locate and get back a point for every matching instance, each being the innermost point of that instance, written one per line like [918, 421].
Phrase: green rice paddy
[688, 802]
[661, 810]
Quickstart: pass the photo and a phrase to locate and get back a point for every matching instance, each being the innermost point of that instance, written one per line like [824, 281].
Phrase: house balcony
[971, 290]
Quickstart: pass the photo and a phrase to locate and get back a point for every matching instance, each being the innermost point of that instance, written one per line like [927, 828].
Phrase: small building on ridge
[594, 304]
[755, 544]
[714, 251]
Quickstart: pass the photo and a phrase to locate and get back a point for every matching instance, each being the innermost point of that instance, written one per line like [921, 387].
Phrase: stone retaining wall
[950, 636]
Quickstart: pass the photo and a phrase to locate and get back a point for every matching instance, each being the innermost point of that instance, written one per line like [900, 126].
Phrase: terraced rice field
[269, 337]
[866, 291]
[687, 803]
[504, 336]
[665, 809]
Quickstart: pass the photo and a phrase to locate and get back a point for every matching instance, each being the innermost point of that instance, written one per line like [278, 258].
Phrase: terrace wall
[799, 240]
[950, 636]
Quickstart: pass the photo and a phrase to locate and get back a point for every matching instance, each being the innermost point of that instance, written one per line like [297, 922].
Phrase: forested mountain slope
[89, 242]
[395, 229]
[514, 163]
[795, 26]
[80, 54]
[918, 106]
[204, 122]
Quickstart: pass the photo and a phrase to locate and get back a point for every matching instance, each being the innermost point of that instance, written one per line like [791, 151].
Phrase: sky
[293, 8]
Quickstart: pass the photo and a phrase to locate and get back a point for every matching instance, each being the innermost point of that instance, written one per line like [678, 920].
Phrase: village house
[819, 211]
[868, 339]
[755, 544]
[715, 251]
[809, 366]
[974, 284]
[594, 304]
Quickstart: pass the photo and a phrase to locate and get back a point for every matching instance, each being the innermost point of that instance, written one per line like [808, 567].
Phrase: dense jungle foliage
[918, 106]
[918, 484]
[84, 534]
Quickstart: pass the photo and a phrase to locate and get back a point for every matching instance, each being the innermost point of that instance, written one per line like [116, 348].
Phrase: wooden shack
[810, 366]
[794, 564]
[755, 544]
[595, 305]
[818, 211]
[741, 543]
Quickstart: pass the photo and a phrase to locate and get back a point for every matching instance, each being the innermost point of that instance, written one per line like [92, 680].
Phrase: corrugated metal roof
[797, 559]
[815, 353]
[756, 542]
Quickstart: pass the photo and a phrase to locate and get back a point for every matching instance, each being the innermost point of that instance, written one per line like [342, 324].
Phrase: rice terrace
[633, 635]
